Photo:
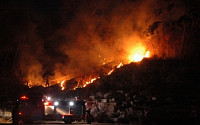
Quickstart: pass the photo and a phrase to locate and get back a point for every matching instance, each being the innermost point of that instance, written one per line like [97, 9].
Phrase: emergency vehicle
[68, 110]
[27, 110]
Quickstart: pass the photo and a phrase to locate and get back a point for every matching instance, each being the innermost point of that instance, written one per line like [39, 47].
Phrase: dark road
[78, 123]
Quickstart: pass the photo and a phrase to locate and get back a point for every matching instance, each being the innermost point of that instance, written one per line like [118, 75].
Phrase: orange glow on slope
[133, 50]
[94, 79]
[120, 65]
[62, 85]
[110, 72]
[137, 54]
[90, 81]
[147, 55]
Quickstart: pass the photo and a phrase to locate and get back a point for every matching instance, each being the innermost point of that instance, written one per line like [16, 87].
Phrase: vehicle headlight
[48, 98]
[56, 103]
[71, 103]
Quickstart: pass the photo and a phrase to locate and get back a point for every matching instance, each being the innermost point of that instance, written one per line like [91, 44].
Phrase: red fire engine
[29, 110]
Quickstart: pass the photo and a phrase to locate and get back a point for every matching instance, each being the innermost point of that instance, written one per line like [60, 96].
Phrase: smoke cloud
[79, 36]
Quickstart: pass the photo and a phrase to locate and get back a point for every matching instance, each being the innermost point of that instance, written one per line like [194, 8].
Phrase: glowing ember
[28, 84]
[62, 85]
[91, 81]
[147, 55]
[120, 65]
[110, 72]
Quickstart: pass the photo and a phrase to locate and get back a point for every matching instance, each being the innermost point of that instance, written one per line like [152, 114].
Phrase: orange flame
[138, 54]
[132, 53]
[147, 55]
[62, 85]
[110, 72]
[91, 81]
[120, 65]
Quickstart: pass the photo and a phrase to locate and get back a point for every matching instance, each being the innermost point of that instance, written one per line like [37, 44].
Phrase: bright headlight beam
[56, 103]
[71, 103]
[48, 98]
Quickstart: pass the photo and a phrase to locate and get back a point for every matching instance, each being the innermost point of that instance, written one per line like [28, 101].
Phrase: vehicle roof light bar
[24, 97]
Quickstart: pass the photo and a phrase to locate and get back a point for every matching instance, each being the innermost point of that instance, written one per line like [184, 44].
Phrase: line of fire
[136, 56]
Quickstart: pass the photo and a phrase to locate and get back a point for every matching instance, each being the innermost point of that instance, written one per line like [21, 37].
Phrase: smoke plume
[79, 36]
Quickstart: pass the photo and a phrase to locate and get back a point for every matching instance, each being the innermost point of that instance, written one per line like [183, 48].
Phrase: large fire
[137, 57]
[136, 54]
[104, 36]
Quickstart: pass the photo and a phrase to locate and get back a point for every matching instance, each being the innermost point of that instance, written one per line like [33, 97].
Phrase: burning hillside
[137, 56]
[86, 40]
[88, 43]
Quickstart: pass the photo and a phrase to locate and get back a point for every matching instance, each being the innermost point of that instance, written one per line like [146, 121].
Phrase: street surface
[74, 123]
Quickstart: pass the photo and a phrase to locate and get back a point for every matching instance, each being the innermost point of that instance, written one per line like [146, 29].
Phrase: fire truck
[68, 110]
[27, 110]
